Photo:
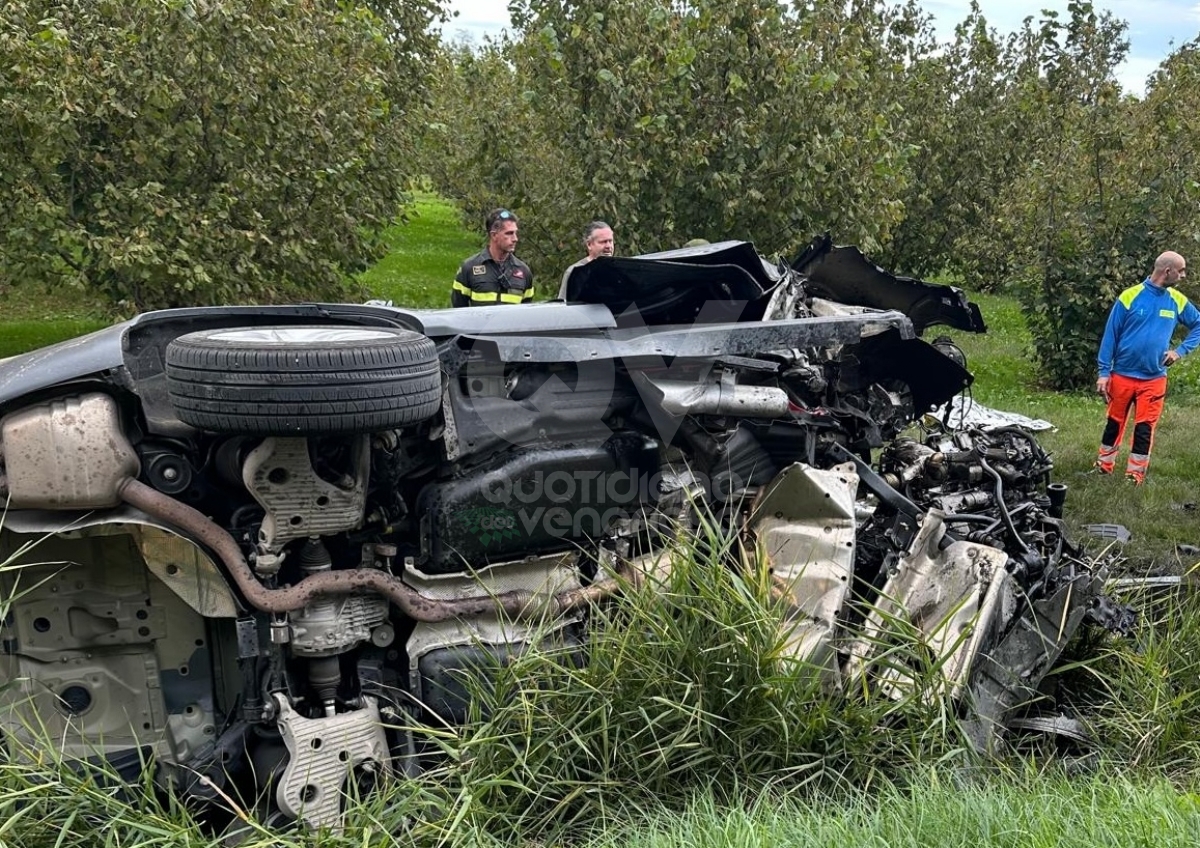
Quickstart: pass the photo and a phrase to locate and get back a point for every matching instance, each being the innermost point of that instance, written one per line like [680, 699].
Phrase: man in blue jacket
[1133, 359]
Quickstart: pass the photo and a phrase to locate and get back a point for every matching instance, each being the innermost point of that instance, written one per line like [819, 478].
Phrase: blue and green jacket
[1139, 331]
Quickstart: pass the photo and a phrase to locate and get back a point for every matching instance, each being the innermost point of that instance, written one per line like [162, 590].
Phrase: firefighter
[495, 274]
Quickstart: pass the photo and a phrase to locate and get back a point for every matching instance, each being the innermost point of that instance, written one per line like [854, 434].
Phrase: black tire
[304, 380]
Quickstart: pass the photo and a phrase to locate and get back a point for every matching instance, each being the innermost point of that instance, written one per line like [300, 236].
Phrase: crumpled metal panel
[948, 597]
[805, 526]
[1007, 674]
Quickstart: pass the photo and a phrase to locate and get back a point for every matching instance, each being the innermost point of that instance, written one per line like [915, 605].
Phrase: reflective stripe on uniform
[1138, 465]
[1180, 299]
[475, 296]
[491, 297]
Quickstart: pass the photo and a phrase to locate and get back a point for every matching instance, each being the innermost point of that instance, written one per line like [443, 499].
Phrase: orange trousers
[1144, 398]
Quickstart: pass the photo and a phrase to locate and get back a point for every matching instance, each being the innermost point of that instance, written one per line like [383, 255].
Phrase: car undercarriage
[246, 546]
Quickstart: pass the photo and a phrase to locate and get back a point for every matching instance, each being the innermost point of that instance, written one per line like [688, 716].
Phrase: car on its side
[254, 538]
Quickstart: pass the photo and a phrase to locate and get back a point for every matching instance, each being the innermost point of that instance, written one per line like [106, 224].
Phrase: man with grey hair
[1134, 354]
[597, 241]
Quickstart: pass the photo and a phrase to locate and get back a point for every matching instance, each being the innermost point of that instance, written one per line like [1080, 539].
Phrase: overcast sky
[1156, 27]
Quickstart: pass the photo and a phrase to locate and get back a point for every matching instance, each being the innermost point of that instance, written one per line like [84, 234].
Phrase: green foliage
[971, 143]
[169, 152]
[718, 119]
[1068, 310]
[1073, 198]
[1165, 151]
[1015, 164]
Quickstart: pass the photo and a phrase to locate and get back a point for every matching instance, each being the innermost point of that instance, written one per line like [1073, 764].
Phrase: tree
[961, 116]
[170, 152]
[1077, 201]
[1165, 149]
[715, 118]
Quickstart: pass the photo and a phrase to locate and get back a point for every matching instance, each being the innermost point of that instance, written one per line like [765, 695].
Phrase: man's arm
[527, 296]
[1108, 347]
[1108, 342]
[460, 292]
[1190, 318]
[562, 288]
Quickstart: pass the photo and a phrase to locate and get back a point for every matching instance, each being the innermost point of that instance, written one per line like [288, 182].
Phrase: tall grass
[1140, 697]
[684, 690]
[684, 683]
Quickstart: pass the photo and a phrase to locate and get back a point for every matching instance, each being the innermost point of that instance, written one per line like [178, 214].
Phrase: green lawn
[425, 255]
[938, 811]
[31, 318]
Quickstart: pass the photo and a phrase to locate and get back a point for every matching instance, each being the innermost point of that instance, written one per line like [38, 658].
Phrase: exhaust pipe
[519, 605]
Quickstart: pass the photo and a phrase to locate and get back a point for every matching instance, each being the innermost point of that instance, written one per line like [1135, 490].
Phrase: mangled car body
[258, 540]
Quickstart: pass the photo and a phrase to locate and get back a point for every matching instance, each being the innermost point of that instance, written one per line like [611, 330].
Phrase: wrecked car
[255, 543]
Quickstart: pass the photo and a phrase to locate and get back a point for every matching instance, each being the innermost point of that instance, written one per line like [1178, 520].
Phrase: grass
[34, 318]
[936, 809]
[1035, 813]
[687, 726]
[424, 256]
[688, 677]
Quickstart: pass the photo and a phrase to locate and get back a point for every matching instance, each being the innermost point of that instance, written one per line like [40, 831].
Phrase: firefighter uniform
[482, 281]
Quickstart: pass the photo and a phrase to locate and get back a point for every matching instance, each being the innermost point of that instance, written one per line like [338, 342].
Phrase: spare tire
[303, 380]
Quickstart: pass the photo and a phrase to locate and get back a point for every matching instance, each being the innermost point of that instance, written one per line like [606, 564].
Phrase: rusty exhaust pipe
[519, 605]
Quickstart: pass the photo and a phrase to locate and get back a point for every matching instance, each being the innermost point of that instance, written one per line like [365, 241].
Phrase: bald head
[1169, 269]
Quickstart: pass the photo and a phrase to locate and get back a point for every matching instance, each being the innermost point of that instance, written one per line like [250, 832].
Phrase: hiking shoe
[1134, 480]
[1097, 468]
